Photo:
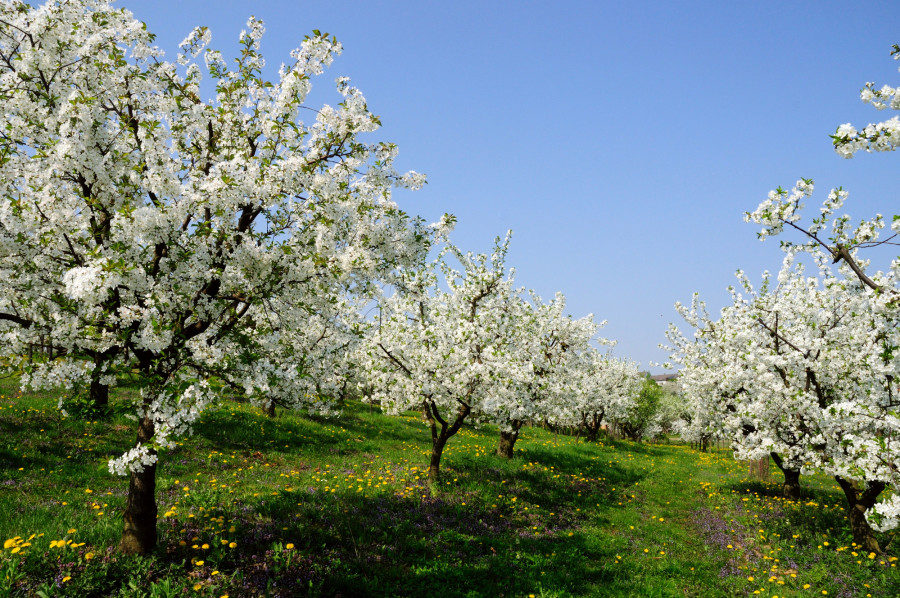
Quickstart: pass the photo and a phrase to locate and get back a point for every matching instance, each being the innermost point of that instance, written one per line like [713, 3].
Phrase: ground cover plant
[303, 506]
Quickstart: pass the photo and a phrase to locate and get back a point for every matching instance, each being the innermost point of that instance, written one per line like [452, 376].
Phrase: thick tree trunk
[860, 501]
[99, 394]
[508, 440]
[437, 449]
[791, 488]
[592, 424]
[270, 409]
[631, 432]
[139, 532]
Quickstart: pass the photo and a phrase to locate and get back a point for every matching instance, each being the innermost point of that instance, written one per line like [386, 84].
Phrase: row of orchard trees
[233, 241]
[806, 367]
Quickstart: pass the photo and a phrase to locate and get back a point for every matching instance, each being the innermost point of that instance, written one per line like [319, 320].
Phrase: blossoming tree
[795, 371]
[606, 389]
[143, 227]
[549, 347]
[443, 341]
[843, 245]
[810, 368]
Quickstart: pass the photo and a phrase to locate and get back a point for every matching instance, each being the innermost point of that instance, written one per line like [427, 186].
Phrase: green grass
[296, 506]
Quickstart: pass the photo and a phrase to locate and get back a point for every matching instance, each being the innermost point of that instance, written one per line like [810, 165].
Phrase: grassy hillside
[295, 506]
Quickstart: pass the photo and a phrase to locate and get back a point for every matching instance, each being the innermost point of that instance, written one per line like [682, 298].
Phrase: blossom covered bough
[144, 228]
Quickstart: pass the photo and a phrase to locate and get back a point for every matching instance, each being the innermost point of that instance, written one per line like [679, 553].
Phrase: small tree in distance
[550, 347]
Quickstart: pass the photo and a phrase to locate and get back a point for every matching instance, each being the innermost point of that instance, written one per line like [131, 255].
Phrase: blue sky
[620, 141]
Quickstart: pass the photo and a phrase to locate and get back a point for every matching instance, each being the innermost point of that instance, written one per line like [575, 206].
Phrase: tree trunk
[592, 424]
[439, 438]
[139, 531]
[99, 394]
[269, 409]
[437, 449]
[508, 440]
[791, 488]
[860, 501]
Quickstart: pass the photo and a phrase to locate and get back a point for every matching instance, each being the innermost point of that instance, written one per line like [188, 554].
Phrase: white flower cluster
[134, 460]
[875, 137]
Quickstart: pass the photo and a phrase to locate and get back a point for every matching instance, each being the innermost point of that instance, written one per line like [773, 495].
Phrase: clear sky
[620, 141]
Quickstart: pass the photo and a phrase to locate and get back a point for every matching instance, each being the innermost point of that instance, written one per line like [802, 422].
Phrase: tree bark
[861, 500]
[791, 488]
[269, 409]
[437, 449]
[139, 531]
[592, 424]
[508, 440]
[99, 394]
[439, 437]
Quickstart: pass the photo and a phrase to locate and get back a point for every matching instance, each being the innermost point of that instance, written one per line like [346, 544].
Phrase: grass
[301, 506]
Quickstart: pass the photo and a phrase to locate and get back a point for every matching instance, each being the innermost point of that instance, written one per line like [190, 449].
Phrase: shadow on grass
[242, 431]
[399, 546]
